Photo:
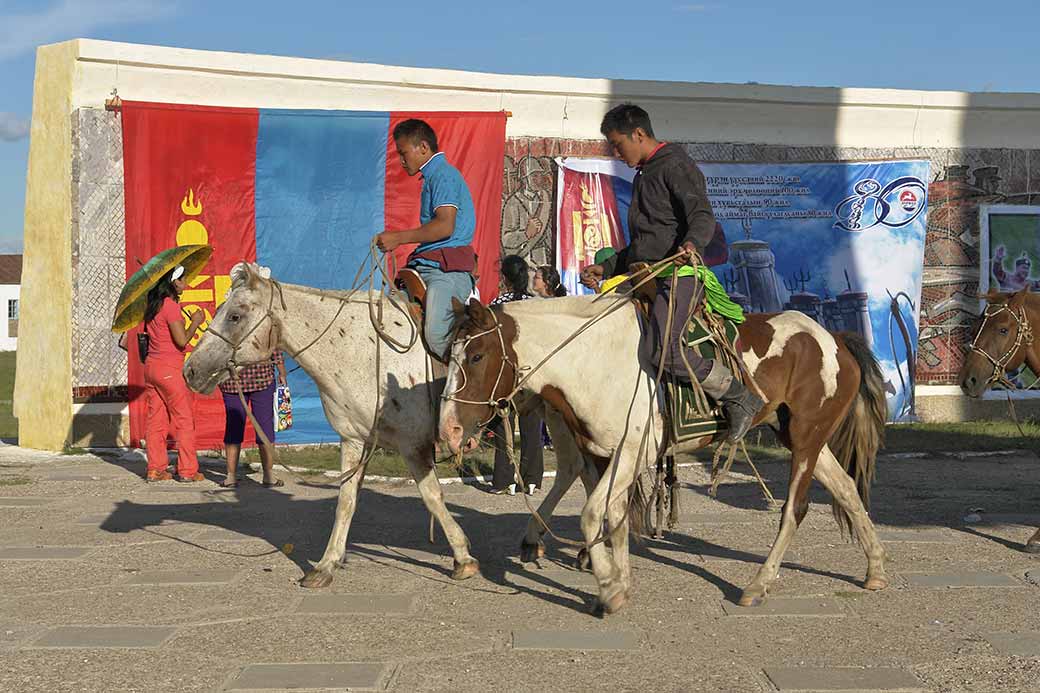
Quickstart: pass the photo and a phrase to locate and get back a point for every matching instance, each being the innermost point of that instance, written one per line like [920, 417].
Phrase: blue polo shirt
[442, 184]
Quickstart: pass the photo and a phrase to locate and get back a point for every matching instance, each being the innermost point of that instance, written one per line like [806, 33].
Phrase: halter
[232, 364]
[496, 405]
[1024, 336]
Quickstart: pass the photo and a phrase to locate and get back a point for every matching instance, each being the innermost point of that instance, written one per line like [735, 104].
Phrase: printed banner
[591, 214]
[841, 242]
[1010, 257]
[302, 192]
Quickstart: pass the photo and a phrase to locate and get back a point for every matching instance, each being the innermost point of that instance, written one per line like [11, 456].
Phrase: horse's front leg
[569, 464]
[1033, 545]
[420, 462]
[612, 487]
[802, 465]
[350, 452]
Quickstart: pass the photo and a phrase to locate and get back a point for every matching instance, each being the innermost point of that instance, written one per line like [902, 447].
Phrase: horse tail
[861, 434]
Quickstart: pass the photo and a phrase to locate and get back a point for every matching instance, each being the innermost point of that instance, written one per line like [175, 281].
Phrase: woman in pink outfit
[169, 400]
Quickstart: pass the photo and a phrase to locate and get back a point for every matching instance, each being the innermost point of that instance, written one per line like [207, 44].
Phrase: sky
[926, 44]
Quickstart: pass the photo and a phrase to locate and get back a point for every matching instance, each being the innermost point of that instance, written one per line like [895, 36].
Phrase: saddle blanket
[687, 422]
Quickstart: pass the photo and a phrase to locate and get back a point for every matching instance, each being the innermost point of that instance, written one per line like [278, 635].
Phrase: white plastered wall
[83, 73]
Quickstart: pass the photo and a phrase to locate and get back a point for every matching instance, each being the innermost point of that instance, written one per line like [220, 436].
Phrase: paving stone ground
[109, 584]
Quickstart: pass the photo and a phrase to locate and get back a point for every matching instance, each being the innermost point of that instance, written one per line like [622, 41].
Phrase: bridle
[495, 405]
[232, 365]
[1024, 337]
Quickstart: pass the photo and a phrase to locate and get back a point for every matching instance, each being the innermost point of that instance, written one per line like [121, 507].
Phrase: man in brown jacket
[670, 213]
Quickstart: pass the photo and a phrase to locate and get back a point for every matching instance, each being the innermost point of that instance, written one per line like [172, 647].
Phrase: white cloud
[68, 19]
[880, 262]
[13, 128]
[890, 373]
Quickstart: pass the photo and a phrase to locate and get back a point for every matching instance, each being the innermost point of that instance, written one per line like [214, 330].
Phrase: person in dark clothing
[670, 213]
[515, 275]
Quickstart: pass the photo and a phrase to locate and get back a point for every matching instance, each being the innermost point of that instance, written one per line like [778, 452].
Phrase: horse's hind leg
[420, 462]
[802, 463]
[350, 452]
[840, 485]
[569, 464]
[1033, 545]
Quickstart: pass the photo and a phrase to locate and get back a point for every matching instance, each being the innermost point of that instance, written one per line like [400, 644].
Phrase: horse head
[1001, 344]
[482, 371]
[242, 332]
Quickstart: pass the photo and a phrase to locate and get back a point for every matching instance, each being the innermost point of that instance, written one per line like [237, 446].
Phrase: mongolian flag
[300, 191]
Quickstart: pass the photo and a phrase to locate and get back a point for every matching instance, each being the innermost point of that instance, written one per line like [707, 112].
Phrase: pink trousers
[169, 402]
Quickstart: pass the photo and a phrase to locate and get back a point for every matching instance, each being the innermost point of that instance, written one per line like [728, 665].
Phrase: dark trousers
[531, 462]
[688, 294]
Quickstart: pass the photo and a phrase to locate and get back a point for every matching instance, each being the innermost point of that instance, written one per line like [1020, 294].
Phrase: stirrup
[411, 282]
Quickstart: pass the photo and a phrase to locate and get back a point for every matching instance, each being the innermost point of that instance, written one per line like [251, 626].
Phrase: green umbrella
[133, 299]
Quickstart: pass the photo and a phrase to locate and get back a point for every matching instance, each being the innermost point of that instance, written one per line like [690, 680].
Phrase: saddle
[411, 282]
[686, 420]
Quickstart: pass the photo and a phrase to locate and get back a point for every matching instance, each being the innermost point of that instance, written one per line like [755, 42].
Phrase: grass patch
[15, 481]
[979, 436]
[8, 424]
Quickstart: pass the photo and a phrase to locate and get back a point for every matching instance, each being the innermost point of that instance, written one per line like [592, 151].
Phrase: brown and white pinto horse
[1002, 344]
[824, 393]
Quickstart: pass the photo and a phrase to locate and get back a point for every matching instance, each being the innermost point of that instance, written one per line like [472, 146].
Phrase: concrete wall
[551, 116]
[8, 341]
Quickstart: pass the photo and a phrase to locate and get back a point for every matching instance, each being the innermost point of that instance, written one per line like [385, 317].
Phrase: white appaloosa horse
[824, 392]
[331, 336]
[1003, 343]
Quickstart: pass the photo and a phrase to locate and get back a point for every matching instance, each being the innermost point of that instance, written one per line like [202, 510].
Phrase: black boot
[740, 405]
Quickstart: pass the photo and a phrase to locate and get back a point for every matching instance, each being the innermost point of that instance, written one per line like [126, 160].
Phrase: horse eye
[1003, 330]
[476, 358]
[234, 317]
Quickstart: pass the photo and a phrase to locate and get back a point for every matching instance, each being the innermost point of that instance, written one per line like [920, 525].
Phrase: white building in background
[10, 287]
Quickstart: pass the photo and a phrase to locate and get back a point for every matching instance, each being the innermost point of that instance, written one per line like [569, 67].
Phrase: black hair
[157, 294]
[625, 119]
[416, 131]
[514, 273]
[551, 277]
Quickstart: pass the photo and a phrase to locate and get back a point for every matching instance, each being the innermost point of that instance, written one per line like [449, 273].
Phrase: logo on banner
[591, 227]
[893, 205]
[204, 292]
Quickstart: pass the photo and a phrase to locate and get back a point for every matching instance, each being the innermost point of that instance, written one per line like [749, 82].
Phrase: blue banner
[841, 242]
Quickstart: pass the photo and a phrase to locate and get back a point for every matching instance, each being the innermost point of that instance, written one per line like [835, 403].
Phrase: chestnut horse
[1003, 343]
[824, 393]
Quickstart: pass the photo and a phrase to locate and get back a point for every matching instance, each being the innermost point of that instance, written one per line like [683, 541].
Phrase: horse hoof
[751, 599]
[465, 570]
[1032, 547]
[316, 579]
[582, 561]
[875, 583]
[613, 603]
[530, 553]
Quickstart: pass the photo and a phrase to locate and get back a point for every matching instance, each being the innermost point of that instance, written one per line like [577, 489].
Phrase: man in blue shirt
[445, 258]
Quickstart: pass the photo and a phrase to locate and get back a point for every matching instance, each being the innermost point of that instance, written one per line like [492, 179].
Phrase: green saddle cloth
[686, 422]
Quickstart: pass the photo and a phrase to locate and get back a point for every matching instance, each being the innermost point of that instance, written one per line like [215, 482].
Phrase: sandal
[277, 483]
[158, 475]
[229, 483]
[197, 476]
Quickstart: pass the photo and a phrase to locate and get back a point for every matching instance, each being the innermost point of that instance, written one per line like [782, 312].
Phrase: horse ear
[995, 296]
[458, 307]
[478, 313]
[245, 274]
[1018, 298]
